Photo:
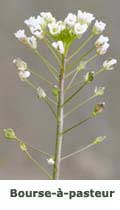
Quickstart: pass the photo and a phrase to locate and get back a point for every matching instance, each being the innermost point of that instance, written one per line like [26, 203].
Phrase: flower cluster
[73, 26]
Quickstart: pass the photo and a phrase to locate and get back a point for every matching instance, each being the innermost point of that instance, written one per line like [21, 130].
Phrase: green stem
[72, 80]
[76, 125]
[73, 86]
[30, 84]
[46, 41]
[51, 108]
[34, 148]
[51, 100]
[79, 59]
[40, 77]
[79, 105]
[81, 47]
[37, 164]
[47, 100]
[75, 93]
[77, 152]
[60, 113]
[50, 67]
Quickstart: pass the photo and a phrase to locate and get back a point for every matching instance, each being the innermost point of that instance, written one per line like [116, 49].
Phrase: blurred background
[31, 119]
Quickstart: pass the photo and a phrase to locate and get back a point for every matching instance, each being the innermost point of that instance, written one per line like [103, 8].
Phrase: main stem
[60, 113]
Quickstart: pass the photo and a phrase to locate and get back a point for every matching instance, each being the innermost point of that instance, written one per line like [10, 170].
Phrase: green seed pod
[89, 77]
[9, 134]
[99, 139]
[23, 147]
[98, 108]
[55, 90]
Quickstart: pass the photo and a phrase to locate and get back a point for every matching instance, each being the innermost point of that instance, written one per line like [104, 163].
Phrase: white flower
[20, 35]
[109, 64]
[99, 27]
[103, 49]
[48, 17]
[61, 24]
[80, 29]
[101, 41]
[99, 91]
[70, 20]
[35, 22]
[41, 93]
[32, 42]
[59, 46]
[39, 34]
[54, 29]
[24, 75]
[50, 161]
[20, 64]
[84, 17]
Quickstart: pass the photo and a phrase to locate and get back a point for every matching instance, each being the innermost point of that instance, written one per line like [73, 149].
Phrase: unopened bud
[41, 93]
[99, 91]
[81, 66]
[20, 64]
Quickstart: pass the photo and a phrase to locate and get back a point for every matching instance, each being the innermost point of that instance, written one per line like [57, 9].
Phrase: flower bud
[21, 36]
[9, 134]
[89, 77]
[23, 147]
[109, 64]
[81, 66]
[32, 42]
[24, 75]
[99, 91]
[50, 161]
[99, 139]
[55, 90]
[98, 108]
[20, 64]
[41, 93]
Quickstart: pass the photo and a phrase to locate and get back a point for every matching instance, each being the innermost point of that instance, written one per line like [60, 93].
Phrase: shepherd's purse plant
[59, 36]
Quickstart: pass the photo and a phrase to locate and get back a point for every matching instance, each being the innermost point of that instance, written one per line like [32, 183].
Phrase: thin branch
[77, 152]
[81, 47]
[46, 41]
[50, 67]
[34, 148]
[75, 93]
[75, 84]
[50, 106]
[47, 100]
[70, 73]
[76, 125]
[79, 82]
[30, 84]
[79, 105]
[79, 59]
[40, 77]
[51, 100]
[72, 80]
[38, 165]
